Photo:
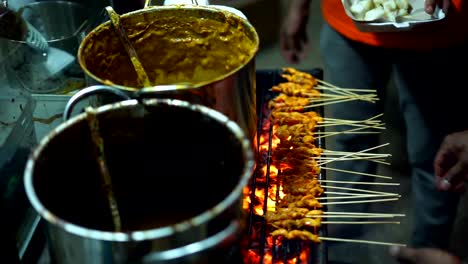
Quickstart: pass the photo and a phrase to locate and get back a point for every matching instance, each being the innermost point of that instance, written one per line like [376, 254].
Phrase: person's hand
[451, 162]
[430, 5]
[422, 256]
[293, 38]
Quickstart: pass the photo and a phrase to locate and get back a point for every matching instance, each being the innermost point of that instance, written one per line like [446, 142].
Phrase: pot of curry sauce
[205, 53]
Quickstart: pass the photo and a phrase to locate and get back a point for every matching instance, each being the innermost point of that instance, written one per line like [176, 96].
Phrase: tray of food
[390, 15]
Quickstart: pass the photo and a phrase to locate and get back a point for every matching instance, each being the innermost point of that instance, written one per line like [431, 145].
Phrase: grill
[257, 245]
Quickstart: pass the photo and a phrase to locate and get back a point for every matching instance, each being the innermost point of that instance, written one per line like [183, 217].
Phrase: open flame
[255, 200]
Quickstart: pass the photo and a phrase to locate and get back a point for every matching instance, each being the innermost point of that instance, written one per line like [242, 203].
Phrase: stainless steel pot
[178, 172]
[210, 49]
[57, 70]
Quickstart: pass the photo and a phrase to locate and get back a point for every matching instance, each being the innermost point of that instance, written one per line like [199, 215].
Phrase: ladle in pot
[141, 73]
[106, 181]
[31, 36]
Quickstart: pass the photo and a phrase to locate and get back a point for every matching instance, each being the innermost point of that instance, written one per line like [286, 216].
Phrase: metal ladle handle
[87, 92]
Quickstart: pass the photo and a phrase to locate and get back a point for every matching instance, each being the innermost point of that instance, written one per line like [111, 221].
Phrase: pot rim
[54, 2]
[160, 9]
[154, 233]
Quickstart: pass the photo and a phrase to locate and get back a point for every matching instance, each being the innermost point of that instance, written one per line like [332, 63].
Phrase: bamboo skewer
[324, 158]
[348, 159]
[358, 213]
[343, 193]
[357, 196]
[336, 153]
[357, 173]
[328, 103]
[361, 241]
[337, 91]
[348, 121]
[355, 189]
[377, 126]
[349, 216]
[332, 96]
[374, 125]
[360, 222]
[365, 150]
[345, 89]
[349, 130]
[356, 132]
[371, 119]
[363, 183]
[363, 201]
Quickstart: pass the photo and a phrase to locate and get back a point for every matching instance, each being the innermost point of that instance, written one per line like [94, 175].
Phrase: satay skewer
[371, 159]
[346, 120]
[360, 222]
[361, 241]
[361, 151]
[341, 97]
[357, 173]
[357, 157]
[339, 91]
[363, 201]
[354, 132]
[347, 131]
[360, 213]
[349, 216]
[335, 152]
[353, 216]
[342, 193]
[355, 190]
[374, 126]
[350, 91]
[332, 102]
[356, 197]
[362, 183]
[325, 83]
[306, 235]
[380, 161]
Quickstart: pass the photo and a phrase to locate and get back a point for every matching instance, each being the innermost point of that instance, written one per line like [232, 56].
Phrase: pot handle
[154, 91]
[87, 92]
[223, 236]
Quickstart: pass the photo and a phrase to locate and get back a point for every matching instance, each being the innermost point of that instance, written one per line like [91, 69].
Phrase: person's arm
[293, 38]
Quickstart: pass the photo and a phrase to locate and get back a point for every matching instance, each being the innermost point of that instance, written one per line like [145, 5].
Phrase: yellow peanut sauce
[174, 46]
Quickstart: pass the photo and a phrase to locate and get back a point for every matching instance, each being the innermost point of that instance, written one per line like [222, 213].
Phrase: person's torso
[451, 30]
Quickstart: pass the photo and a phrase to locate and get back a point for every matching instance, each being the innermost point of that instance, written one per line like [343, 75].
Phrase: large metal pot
[178, 171]
[210, 49]
[57, 70]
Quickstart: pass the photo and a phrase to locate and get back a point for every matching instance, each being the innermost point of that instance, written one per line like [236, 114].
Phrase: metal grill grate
[258, 246]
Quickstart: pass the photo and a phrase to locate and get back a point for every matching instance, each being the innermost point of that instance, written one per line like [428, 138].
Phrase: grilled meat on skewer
[296, 234]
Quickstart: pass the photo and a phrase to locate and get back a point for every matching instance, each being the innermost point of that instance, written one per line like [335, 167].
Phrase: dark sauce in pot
[167, 165]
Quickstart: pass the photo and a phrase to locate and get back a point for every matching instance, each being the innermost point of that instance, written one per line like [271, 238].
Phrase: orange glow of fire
[253, 256]
[260, 193]
[264, 140]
